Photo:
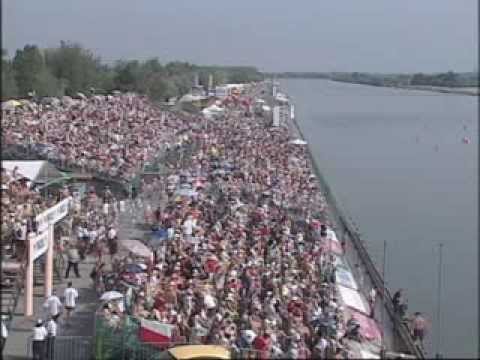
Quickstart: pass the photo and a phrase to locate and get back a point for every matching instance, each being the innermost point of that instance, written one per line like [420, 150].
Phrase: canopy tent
[368, 327]
[111, 295]
[298, 142]
[191, 98]
[10, 104]
[136, 248]
[344, 277]
[37, 171]
[332, 247]
[353, 299]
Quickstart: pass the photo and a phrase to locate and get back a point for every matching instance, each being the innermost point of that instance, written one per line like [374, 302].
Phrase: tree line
[70, 68]
[446, 79]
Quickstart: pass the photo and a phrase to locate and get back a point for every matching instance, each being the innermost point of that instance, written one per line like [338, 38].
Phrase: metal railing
[66, 348]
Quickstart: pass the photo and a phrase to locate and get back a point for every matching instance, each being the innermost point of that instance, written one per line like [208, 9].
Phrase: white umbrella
[298, 142]
[137, 248]
[111, 295]
[186, 192]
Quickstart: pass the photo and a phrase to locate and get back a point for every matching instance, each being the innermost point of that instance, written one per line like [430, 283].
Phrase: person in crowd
[73, 260]
[53, 305]
[71, 296]
[39, 337]
[4, 334]
[372, 296]
[419, 325]
[52, 333]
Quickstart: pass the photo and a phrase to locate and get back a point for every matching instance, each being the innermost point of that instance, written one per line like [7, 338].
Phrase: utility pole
[438, 354]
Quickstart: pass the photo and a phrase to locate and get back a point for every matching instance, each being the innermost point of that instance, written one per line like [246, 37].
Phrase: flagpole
[439, 302]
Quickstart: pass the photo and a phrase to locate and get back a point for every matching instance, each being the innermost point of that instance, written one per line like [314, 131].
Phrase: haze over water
[397, 164]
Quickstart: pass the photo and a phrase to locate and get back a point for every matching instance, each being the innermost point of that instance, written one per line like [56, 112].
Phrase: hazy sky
[303, 35]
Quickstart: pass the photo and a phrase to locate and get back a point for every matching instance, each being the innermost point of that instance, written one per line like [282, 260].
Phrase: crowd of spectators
[21, 203]
[114, 135]
[246, 261]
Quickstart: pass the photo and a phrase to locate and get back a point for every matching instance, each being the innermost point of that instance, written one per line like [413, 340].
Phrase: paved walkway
[81, 322]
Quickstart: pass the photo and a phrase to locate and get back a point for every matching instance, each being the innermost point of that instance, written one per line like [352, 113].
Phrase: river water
[398, 167]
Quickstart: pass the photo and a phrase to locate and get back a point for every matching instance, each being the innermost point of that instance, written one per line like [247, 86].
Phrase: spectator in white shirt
[39, 336]
[52, 333]
[53, 305]
[71, 296]
[4, 335]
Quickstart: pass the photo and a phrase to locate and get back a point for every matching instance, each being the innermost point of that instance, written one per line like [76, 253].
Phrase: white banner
[52, 215]
[276, 116]
[40, 244]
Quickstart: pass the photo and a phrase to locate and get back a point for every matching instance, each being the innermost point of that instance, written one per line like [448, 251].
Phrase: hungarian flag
[155, 332]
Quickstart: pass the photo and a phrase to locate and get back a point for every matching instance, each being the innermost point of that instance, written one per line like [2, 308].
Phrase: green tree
[49, 85]
[127, 75]
[27, 64]
[220, 77]
[80, 67]
[9, 85]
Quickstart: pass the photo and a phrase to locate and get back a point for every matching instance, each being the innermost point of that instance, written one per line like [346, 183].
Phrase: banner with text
[40, 244]
[52, 215]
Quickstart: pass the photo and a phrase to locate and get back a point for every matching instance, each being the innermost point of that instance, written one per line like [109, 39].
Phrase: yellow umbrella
[14, 103]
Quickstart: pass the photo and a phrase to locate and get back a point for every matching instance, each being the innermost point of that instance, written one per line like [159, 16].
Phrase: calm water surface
[397, 164]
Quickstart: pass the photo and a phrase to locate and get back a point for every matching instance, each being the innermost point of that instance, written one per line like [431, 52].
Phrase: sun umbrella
[134, 268]
[136, 247]
[186, 192]
[111, 295]
[157, 237]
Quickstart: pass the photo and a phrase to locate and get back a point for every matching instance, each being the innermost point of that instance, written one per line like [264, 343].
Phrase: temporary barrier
[68, 347]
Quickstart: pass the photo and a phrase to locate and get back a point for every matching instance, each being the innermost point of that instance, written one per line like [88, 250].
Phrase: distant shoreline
[458, 91]
[445, 90]
[470, 91]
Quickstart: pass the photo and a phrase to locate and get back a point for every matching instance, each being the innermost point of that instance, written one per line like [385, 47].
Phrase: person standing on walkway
[52, 333]
[4, 334]
[71, 296]
[38, 340]
[73, 260]
[53, 305]
[419, 325]
[372, 296]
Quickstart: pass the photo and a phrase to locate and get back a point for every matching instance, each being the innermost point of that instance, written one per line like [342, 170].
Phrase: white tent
[353, 299]
[298, 142]
[37, 171]
[191, 98]
[345, 278]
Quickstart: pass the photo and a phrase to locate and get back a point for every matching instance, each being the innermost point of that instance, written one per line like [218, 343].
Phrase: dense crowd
[113, 135]
[21, 203]
[246, 261]
[245, 258]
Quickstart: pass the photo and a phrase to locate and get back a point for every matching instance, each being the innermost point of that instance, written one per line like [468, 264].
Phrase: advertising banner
[40, 244]
[52, 215]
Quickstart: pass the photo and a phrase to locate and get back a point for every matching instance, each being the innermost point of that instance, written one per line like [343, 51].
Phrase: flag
[155, 332]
